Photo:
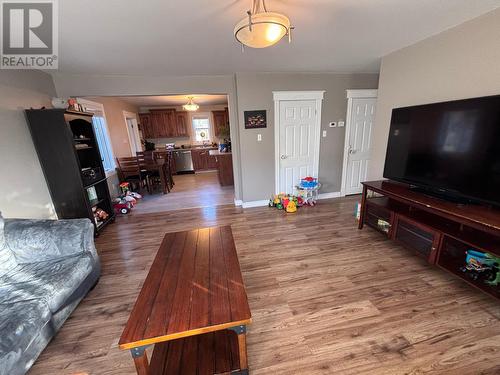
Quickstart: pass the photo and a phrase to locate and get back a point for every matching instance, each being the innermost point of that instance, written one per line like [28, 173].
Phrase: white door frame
[279, 96]
[352, 94]
[131, 115]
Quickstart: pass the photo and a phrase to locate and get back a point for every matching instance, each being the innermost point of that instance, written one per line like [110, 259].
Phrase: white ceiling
[174, 100]
[186, 37]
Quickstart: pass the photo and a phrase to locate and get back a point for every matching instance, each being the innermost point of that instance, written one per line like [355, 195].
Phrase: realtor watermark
[29, 34]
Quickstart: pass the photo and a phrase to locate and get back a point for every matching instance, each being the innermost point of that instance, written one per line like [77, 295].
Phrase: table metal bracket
[138, 351]
[239, 329]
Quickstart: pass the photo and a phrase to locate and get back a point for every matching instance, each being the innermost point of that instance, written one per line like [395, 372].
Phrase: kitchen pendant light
[261, 28]
[191, 106]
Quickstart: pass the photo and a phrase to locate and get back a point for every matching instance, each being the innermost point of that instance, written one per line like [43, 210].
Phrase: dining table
[161, 167]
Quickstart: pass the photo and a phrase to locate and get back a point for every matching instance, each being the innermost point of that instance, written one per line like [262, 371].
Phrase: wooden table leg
[242, 343]
[241, 331]
[362, 208]
[163, 179]
[140, 360]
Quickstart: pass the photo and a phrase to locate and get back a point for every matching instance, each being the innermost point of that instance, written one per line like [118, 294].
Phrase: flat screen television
[450, 148]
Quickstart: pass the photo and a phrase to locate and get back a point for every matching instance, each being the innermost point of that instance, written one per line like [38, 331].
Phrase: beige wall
[23, 191]
[113, 108]
[257, 158]
[462, 62]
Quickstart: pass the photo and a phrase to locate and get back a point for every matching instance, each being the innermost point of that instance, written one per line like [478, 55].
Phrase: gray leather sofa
[46, 268]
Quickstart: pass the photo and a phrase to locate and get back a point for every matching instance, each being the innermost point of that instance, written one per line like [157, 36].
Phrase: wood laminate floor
[325, 297]
[190, 191]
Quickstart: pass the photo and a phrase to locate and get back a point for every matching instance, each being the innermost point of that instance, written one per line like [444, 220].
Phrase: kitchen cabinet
[145, 125]
[221, 122]
[202, 160]
[224, 167]
[182, 123]
[164, 123]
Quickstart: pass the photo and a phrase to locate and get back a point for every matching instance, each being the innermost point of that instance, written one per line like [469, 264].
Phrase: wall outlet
[341, 124]
[324, 133]
[259, 137]
[332, 124]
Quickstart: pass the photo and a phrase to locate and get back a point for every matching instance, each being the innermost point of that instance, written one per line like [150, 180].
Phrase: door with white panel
[359, 143]
[298, 142]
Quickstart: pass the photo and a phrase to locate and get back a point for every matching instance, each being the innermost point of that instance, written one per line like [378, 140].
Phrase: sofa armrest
[41, 240]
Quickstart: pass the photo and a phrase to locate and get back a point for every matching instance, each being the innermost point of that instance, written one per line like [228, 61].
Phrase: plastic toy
[291, 207]
[124, 186]
[286, 202]
[122, 207]
[129, 198]
[100, 215]
[308, 182]
[482, 266]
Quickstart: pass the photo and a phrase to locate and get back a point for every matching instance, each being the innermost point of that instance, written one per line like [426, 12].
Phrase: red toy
[122, 207]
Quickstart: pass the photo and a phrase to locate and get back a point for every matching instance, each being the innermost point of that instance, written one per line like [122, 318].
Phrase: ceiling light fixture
[261, 28]
[191, 106]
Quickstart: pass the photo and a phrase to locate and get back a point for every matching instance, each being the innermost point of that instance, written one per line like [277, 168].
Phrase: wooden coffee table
[192, 306]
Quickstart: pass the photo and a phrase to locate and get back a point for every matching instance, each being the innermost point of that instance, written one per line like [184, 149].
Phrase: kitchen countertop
[186, 148]
[218, 153]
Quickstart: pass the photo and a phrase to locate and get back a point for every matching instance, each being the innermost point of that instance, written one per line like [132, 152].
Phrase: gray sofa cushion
[21, 324]
[52, 281]
[7, 259]
[39, 240]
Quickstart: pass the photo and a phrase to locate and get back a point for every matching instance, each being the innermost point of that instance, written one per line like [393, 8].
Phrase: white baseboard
[334, 194]
[238, 202]
[255, 203]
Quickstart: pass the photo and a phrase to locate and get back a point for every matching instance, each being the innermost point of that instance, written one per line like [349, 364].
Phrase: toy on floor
[128, 196]
[482, 266]
[308, 190]
[124, 187]
[286, 202]
[308, 182]
[122, 206]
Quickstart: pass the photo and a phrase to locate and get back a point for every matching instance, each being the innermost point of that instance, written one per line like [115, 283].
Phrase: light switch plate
[324, 133]
[341, 124]
[332, 124]
[259, 137]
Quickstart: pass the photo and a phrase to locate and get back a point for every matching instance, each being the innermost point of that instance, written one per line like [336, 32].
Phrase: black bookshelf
[69, 155]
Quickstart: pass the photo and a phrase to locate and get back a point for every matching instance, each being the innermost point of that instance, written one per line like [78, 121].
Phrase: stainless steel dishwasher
[183, 161]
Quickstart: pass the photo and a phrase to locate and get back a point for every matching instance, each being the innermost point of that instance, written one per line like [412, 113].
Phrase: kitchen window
[201, 127]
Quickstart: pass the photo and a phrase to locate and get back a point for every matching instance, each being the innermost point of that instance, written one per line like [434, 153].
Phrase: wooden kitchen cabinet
[221, 121]
[202, 160]
[145, 125]
[164, 123]
[182, 121]
[212, 161]
[197, 160]
[224, 167]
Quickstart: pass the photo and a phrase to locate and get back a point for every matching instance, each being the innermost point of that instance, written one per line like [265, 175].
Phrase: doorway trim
[351, 94]
[131, 115]
[279, 96]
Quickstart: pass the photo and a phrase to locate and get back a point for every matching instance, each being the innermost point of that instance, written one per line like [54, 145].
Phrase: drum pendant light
[261, 29]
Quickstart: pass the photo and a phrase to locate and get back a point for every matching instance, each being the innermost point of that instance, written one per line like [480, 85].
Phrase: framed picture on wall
[255, 119]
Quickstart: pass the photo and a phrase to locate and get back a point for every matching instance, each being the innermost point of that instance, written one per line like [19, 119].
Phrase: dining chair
[130, 171]
[146, 160]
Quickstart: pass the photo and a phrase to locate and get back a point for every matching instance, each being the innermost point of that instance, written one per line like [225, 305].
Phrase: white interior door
[298, 142]
[133, 134]
[359, 143]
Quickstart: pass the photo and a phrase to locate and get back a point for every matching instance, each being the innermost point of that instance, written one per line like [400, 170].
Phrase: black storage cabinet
[68, 151]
